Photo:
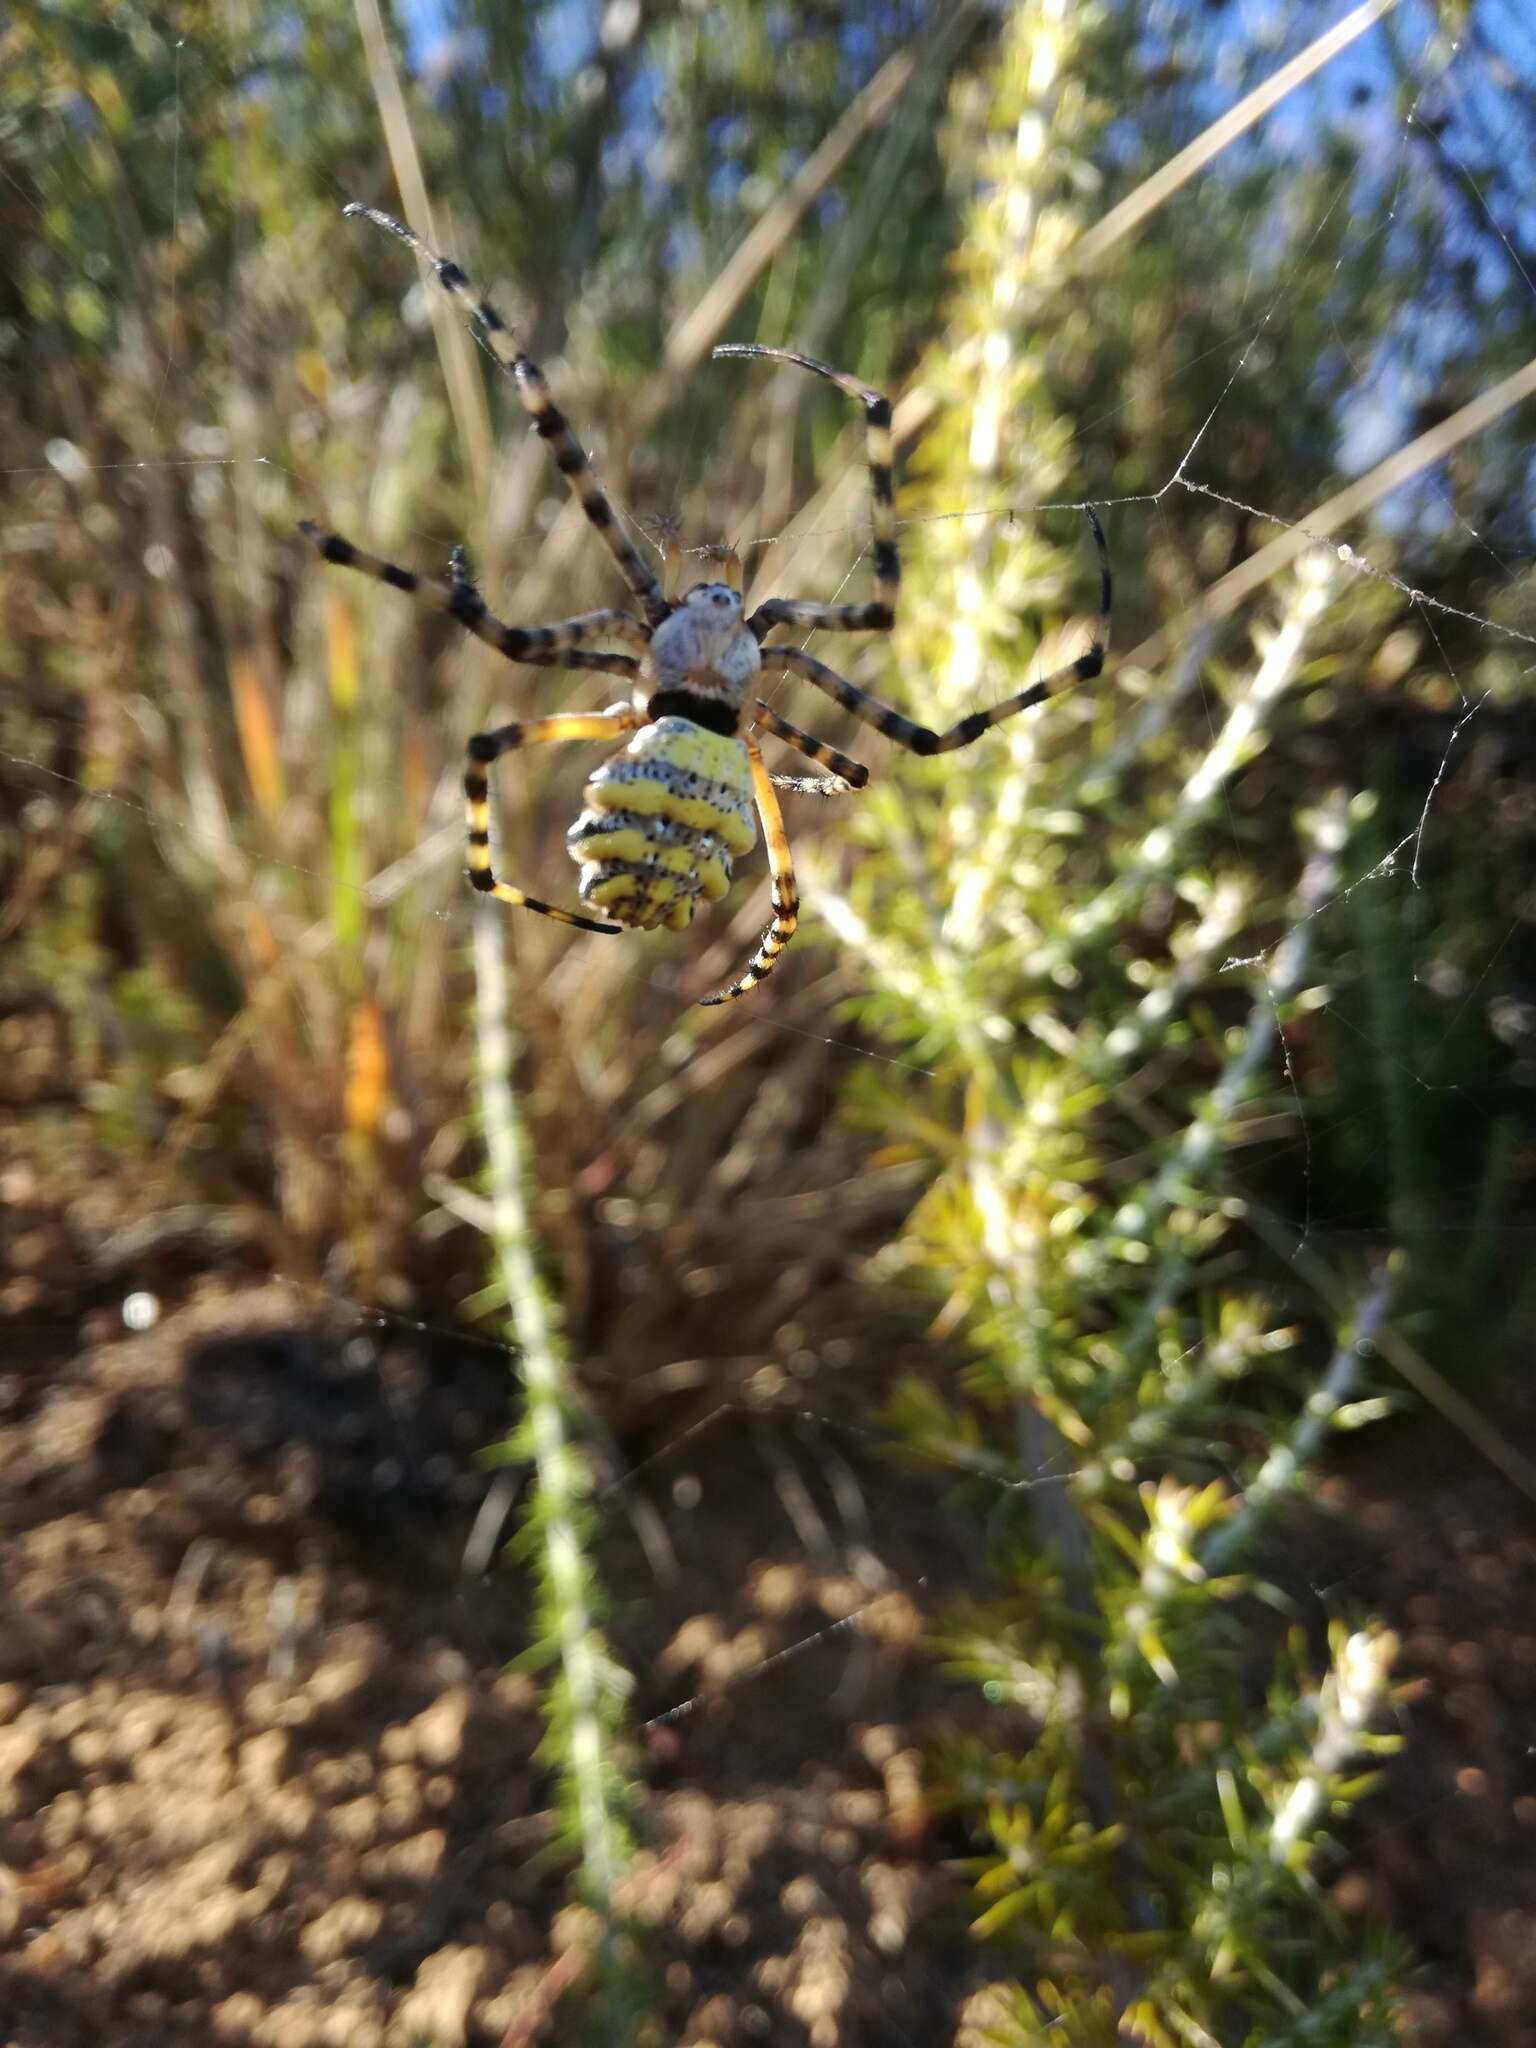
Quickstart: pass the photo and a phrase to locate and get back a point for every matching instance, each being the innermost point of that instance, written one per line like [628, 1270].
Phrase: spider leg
[846, 772]
[919, 739]
[781, 869]
[880, 616]
[546, 646]
[484, 749]
[549, 422]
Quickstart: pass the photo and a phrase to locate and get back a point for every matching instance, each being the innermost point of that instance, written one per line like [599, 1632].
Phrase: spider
[665, 817]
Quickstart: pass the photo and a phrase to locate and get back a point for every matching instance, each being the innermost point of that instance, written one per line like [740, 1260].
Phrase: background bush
[1168, 1053]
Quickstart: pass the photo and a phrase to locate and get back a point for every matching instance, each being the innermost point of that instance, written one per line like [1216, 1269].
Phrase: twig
[1402, 1356]
[695, 332]
[1341, 510]
[1153, 191]
[466, 393]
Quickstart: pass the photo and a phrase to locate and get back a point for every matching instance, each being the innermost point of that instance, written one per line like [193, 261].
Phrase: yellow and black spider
[665, 818]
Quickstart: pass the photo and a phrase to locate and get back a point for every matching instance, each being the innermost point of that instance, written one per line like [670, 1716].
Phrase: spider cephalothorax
[664, 818]
[701, 659]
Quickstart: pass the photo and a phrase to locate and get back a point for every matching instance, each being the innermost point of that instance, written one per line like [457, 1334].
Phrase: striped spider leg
[559, 646]
[880, 616]
[850, 774]
[921, 739]
[846, 774]
[781, 871]
[549, 422]
[544, 646]
[484, 748]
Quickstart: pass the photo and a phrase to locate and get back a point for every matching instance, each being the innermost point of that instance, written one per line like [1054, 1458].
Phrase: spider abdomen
[662, 824]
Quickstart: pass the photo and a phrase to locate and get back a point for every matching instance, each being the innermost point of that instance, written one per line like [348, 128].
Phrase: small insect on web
[665, 818]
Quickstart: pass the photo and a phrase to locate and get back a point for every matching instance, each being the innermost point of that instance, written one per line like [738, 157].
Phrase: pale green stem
[1016, 204]
[1205, 947]
[562, 1480]
[1158, 852]
[1281, 982]
[1280, 1469]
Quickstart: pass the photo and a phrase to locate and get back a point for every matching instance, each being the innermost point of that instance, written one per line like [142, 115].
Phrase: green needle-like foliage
[583, 1700]
[1051, 942]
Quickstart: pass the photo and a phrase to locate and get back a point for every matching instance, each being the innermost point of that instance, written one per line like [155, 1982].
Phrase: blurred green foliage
[230, 846]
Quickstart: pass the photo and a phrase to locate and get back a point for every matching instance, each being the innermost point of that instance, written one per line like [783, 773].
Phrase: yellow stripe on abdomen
[676, 770]
[663, 822]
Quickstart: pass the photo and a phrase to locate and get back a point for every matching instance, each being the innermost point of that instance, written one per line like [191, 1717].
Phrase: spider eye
[722, 597]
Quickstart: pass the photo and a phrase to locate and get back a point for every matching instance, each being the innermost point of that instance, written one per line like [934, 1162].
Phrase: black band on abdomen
[711, 712]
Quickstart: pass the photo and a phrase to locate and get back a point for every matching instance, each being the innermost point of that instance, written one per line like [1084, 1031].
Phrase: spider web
[1423, 498]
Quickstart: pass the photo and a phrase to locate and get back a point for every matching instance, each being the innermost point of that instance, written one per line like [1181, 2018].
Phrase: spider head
[705, 632]
[716, 603]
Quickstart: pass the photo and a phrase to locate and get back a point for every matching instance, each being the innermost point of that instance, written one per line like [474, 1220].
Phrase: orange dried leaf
[367, 1069]
[257, 730]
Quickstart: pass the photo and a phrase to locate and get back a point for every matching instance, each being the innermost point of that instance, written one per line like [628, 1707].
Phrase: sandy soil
[265, 1779]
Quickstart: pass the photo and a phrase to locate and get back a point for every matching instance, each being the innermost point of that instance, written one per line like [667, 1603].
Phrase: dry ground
[264, 1778]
